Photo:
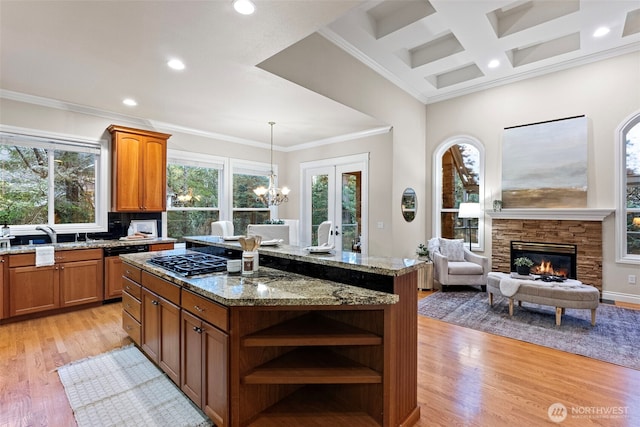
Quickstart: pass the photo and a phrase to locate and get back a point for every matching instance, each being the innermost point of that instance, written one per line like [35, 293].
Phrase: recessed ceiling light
[130, 102]
[176, 64]
[494, 63]
[602, 31]
[244, 7]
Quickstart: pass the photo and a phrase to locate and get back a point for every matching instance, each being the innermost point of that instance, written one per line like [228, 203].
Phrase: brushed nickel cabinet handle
[198, 308]
[154, 302]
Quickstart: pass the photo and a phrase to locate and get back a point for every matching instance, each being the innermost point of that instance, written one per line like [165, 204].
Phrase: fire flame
[546, 268]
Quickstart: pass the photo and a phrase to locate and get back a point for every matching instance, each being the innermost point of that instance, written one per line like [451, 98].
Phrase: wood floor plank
[465, 377]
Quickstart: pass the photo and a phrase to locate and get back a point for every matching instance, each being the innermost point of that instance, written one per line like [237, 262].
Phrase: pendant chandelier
[272, 196]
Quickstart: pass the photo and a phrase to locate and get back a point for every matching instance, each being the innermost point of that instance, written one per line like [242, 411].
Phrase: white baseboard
[622, 297]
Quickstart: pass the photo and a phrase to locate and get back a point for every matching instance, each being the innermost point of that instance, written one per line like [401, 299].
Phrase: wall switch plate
[632, 279]
[380, 224]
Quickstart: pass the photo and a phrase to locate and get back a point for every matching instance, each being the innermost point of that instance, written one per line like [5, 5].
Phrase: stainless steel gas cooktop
[191, 264]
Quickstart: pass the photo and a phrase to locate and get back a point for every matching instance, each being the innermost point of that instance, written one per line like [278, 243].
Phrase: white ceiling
[90, 55]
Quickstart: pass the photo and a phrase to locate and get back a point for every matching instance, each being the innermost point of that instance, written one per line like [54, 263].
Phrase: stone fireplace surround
[582, 228]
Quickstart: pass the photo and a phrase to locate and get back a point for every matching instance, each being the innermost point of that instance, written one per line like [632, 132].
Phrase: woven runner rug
[615, 338]
[123, 388]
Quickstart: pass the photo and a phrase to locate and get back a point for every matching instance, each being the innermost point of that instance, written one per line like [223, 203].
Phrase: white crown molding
[426, 99]
[340, 138]
[170, 127]
[552, 214]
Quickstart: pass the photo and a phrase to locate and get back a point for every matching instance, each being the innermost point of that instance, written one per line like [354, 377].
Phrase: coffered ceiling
[89, 55]
[439, 49]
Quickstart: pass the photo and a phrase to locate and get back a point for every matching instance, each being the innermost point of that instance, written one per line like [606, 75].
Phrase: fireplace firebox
[550, 260]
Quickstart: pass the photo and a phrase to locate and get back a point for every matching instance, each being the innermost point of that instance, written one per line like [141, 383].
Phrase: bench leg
[593, 317]
[490, 298]
[519, 303]
[510, 306]
[559, 311]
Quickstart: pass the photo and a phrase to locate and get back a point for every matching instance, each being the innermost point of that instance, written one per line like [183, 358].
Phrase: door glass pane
[351, 211]
[319, 203]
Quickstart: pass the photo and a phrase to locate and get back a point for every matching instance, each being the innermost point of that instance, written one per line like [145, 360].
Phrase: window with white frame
[458, 178]
[245, 208]
[629, 193]
[194, 193]
[52, 179]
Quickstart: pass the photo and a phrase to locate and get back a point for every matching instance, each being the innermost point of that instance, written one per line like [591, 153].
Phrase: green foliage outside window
[25, 187]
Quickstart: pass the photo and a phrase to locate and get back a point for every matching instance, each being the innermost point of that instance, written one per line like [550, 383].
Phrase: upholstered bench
[568, 294]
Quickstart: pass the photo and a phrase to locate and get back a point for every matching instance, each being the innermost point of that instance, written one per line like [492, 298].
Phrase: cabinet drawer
[134, 289]
[131, 326]
[77, 255]
[131, 305]
[161, 287]
[133, 273]
[205, 309]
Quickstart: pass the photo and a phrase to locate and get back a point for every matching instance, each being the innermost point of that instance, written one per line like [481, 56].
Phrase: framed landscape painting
[544, 165]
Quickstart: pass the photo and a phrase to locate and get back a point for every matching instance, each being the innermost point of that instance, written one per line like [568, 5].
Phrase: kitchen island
[280, 347]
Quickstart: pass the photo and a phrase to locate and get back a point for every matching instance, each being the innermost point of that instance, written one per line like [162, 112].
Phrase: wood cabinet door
[154, 174]
[215, 369]
[150, 324]
[113, 270]
[126, 169]
[161, 333]
[81, 282]
[33, 289]
[169, 356]
[191, 377]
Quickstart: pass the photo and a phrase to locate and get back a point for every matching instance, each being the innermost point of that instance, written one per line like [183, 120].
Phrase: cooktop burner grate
[191, 264]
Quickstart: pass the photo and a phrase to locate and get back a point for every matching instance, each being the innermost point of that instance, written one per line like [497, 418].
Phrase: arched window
[628, 215]
[459, 178]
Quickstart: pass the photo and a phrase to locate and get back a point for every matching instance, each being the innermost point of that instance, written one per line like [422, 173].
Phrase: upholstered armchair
[455, 265]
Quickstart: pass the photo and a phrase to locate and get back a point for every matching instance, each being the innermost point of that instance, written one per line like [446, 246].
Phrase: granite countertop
[89, 244]
[266, 287]
[386, 266]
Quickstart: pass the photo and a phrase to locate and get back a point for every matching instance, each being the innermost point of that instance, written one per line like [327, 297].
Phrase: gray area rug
[615, 338]
[123, 388]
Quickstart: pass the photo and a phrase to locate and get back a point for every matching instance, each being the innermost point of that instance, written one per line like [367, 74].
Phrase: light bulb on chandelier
[272, 196]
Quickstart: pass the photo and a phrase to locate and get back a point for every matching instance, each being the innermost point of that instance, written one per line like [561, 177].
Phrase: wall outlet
[380, 224]
[632, 279]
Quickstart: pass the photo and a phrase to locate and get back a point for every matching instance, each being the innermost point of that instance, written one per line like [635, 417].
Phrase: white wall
[319, 65]
[380, 150]
[606, 92]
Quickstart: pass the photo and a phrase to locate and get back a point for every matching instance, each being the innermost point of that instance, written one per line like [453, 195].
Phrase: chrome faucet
[50, 232]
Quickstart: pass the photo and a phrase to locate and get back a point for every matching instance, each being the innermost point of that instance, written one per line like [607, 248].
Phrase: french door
[336, 190]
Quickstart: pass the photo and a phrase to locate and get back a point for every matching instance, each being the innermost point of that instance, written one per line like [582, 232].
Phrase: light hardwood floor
[466, 377]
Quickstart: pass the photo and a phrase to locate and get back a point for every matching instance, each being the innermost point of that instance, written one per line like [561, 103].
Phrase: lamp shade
[469, 210]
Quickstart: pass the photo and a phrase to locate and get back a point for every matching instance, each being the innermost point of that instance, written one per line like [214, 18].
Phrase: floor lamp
[469, 210]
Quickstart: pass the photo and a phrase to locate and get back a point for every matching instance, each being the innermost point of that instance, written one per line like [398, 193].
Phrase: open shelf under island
[283, 348]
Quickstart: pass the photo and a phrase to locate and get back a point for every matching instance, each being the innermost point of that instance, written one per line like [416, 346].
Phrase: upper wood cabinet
[138, 170]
